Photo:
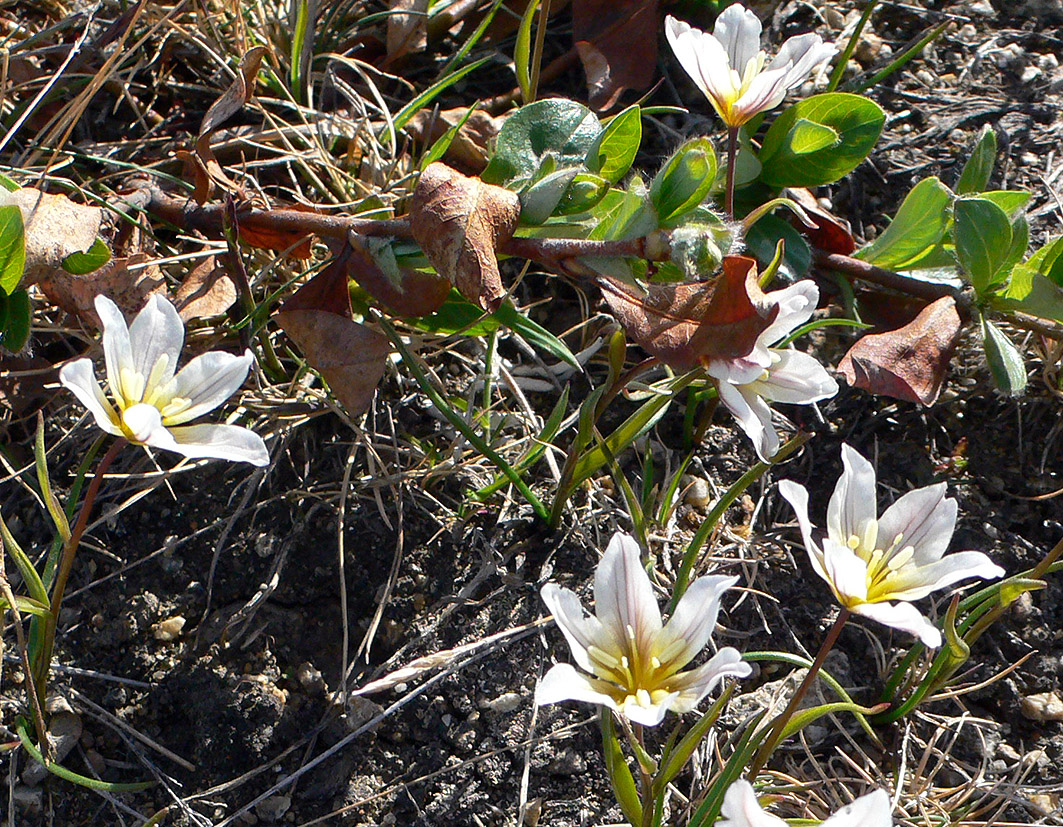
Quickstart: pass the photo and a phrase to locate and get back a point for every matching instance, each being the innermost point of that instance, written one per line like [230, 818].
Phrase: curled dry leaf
[412, 293]
[205, 167]
[908, 363]
[407, 29]
[55, 228]
[460, 222]
[688, 324]
[831, 234]
[469, 149]
[206, 291]
[126, 281]
[616, 43]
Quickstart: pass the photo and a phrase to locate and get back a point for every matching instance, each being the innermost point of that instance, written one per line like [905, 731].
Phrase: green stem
[645, 781]
[732, 155]
[779, 724]
[66, 563]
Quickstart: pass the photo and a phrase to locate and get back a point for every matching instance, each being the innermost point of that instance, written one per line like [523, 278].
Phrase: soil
[241, 716]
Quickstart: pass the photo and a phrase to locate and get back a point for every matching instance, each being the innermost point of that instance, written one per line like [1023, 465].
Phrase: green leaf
[620, 777]
[8, 184]
[1030, 292]
[613, 152]
[1005, 361]
[979, 167]
[16, 330]
[51, 502]
[807, 716]
[537, 202]
[983, 240]
[1010, 201]
[25, 567]
[562, 129]
[763, 237]
[92, 259]
[583, 193]
[522, 52]
[427, 96]
[624, 214]
[918, 226]
[22, 728]
[443, 142]
[684, 181]
[820, 139]
[12, 248]
[1049, 261]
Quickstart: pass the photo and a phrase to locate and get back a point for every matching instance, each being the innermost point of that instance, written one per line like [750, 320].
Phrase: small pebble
[698, 493]
[1044, 706]
[506, 702]
[169, 629]
[273, 808]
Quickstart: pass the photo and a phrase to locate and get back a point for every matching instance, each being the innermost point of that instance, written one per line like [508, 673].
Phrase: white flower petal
[80, 379]
[564, 683]
[801, 55]
[647, 715]
[925, 517]
[852, 507]
[230, 442]
[765, 92]
[694, 618]
[753, 416]
[903, 616]
[623, 596]
[697, 683]
[797, 496]
[156, 332]
[914, 582]
[704, 59]
[797, 379]
[738, 31]
[580, 631]
[741, 808]
[797, 303]
[846, 572]
[143, 426]
[117, 353]
[871, 810]
[207, 381]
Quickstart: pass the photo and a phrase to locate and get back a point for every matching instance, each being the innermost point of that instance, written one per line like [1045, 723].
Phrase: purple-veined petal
[851, 510]
[925, 517]
[694, 685]
[738, 31]
[902, 616]
[913, 582]
[564, 683]
[796, 378]
[741, 808]
[693, 620]
[753, 416]
[230, 442]
[765, 93]
[79, 378]
[579, 630]
[206, 382]
[157, 332]
[797, 496]
[117, 353]
[846, 572]
[623, 596]
[871, 810]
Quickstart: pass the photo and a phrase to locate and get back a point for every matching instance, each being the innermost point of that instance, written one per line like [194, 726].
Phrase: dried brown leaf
[469, 151]
[206, 291]
[56, 227]
[407, 29]
[831, 234]
[460, 222]
[909, 363]
[126, 281]
[688, 324]
[616, 43]
[413, 294]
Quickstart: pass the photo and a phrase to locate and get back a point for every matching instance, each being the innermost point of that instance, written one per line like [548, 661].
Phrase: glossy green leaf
[19, 314]
[1005, 361]
[820, 139]
[1010, 201]
[1030, 292]
[92, 259]
[538, 201]
[613, 152]
[684, 181]
[583, 193]
[559, 128]
[1049, 261]
[982, 233]
[763, 237]
[979, 167]
[12, 248]
[522, 52]
[918, 226]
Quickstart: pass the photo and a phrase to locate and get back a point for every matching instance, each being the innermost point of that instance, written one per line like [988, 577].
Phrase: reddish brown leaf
[126, 281]
[469, 149]
[459, 223]
[831, 234]
[55, 227]
[908, 363]
[349, 356]
[206, 291]
[413, 294]
[295, 244]
[617, 42]
[688, 324]
[327, 291]
[232, 101]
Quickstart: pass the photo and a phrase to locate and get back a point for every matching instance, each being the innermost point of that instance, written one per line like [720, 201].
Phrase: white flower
[869, 561]
[768, 374]
[742, 809]
[728, 65]
[633, 657]
[151, 405]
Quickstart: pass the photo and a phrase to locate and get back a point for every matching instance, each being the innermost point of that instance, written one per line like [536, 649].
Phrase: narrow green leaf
[428, 95]
[25, 567]
[55, 511]
[613, 152]
[807, 716]
[522, 52]
[12, 248]
[27, 605]
[918, 226]
[620, 777]
[1005, 361]
[983, 240]
[979, 167]
[22, 728]
[678, 757]
[443, 142]
[1048, 261]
